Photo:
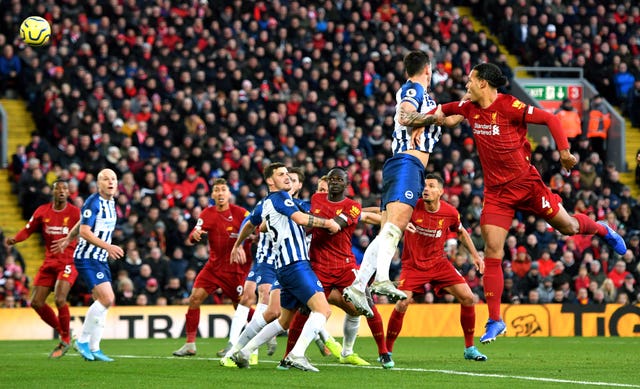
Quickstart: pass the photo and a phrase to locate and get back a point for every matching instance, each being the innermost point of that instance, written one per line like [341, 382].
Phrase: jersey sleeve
[304, 205]
[34, 224]
[90, 212]
[256, 215]
[455, 108]
[412, 93]
[284, 204]
[351, 213]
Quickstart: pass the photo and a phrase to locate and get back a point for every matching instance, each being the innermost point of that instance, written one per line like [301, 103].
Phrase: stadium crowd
[172, 95]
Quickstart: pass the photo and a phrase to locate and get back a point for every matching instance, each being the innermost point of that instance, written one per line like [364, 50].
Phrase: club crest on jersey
[408, 194]
[100, 275]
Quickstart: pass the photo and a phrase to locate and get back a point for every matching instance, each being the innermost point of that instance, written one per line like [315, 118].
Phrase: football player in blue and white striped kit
[416, 132]
[94, 249]
[263, 273]
[284, 221]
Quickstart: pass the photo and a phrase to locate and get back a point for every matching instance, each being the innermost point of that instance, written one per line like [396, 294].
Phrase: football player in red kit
[499, 124]
[58, 273]
[424, 261]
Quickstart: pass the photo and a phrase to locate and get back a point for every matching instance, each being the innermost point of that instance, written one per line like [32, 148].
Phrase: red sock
[64, 317]
[295, 329]
[468, 323]
[493, 286]
[588, 226]
[191, 326]
[250, 316]
[394, 328]
[49, 317]
[377, 330]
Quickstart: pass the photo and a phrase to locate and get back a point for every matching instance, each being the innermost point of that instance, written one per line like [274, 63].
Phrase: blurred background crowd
[172, 95]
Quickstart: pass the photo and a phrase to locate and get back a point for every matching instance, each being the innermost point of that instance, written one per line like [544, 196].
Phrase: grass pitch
[420, 363]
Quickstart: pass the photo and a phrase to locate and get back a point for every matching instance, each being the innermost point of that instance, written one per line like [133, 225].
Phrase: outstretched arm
[306, 220]
[539, 116]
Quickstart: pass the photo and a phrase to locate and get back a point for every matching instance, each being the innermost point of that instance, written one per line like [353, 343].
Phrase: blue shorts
[265, 273]
[93, 272]
[403, 180]
[252, 276]
[299, 283]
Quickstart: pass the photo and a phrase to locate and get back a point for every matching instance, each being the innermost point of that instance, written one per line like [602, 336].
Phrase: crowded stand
[174, 95]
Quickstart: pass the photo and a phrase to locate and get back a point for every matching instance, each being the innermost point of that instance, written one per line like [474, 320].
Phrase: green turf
[420, 363]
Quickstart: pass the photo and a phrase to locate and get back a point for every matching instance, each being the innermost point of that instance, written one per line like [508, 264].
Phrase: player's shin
[493, 286]
[350, 327]
[368, 265]
[315, 322]
[389, 237]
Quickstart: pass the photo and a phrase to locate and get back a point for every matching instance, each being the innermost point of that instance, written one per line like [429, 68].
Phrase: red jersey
[432, 231]
[333, 251]
[500, 133]
[222, 229]
[53, 225]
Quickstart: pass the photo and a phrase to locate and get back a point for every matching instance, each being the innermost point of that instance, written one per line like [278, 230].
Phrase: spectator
[618, 273]
[598, 124]
[10, 70]
[545, 290]
[570, 120]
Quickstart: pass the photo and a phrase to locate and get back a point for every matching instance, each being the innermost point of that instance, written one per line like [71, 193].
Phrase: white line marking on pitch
[524, 378]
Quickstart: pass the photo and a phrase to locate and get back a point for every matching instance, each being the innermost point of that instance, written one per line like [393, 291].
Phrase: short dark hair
[272, 167]
[59, 180]
[219, 181]
[435, 176]
[298, 171]
[415, 62]
[491, 74]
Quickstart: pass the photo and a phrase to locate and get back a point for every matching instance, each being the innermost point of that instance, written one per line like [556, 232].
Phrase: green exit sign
[547, 92]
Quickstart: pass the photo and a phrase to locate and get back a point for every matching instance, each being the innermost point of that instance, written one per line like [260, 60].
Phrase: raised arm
[306, 220]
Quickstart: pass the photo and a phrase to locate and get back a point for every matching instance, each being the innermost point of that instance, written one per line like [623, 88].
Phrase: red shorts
[440, 274]
[527, 193]
[210, 279]
[51, 271]
[335, 279]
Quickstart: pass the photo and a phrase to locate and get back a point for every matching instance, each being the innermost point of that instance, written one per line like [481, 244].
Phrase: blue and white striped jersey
[287, 236]
[264, 251]
[415, 94]
[100, 215]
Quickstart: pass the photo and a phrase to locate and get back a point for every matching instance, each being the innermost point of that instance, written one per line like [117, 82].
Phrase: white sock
[260, 308]
[93, 325]
[256, 324]
[269, 331]
[237, 322]
[313, 325]
[389, 237]
[368, 265]
[350, 328]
